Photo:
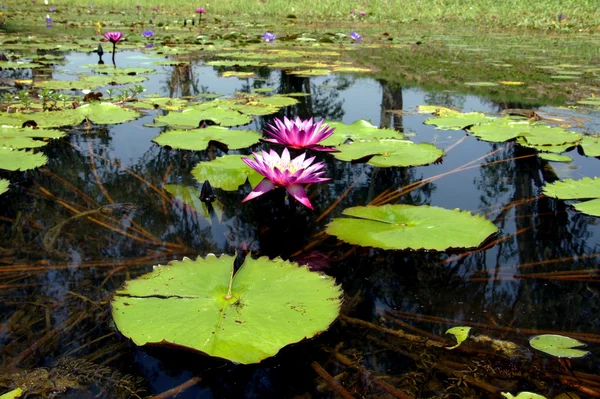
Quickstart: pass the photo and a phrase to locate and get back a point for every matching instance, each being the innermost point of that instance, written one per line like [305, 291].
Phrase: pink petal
[297, 191]
[263, 187]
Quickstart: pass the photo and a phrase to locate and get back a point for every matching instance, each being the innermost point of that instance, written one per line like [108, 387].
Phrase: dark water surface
[56, 303]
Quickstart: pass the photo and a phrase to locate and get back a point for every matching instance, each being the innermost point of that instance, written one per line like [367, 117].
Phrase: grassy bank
[578, 14]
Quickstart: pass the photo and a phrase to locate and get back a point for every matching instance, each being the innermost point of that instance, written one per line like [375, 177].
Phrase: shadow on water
[539, 275]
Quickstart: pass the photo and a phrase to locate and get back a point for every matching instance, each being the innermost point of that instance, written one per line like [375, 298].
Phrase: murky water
[542, 275]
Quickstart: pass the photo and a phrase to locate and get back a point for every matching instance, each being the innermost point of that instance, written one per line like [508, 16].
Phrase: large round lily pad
[4, 185]
[586, 188]
[227, 172]
[411, 227]
[558, 345]
[191, 117]
[387, 153]
[107, 113]
[198, 139]
[247, 317]
[20, 160]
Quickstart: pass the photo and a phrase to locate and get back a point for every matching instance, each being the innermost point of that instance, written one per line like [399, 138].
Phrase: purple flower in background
[363, 13]
[48, 21]
[113, 37]
[150, 45]
[52, 9]
[147, 33]
[269, 37]
[355, 36]
[561, 17]
[138, 6]
[352, 12]
[200, 10]
[285, 172]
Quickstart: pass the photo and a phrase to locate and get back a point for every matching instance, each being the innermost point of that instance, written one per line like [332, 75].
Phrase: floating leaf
[388, 153]
[236, 74]
[191, 117]
[46, 119]
[171, 104]
[585, 188]
[20, 160]
[14, 394]
[357, 131]
[107, 113]
[436, 110]
[228, 172]
[522, 395]
[411, 227]
[461, 333]
[458, 122]
[4, 185]
[500, 130]
[481, 84]
[591, 146]
[19, 138]
[200, 304]
[555, 157]
[558, 345]
[199, 139]
[190, 196]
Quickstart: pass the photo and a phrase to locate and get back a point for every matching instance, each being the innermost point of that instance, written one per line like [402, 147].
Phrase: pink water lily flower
[285, 172]
[113, 37]
[299, 133]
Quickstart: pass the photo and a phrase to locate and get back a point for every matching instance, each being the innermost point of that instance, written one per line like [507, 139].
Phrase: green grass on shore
[579, 14]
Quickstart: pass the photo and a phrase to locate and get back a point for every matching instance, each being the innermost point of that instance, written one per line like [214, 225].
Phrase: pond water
[539, 275]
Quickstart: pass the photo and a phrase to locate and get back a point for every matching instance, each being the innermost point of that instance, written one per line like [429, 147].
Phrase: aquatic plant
[114, 38]
[48, 21]
[147, 33]
[299, 134]
[269, 37]
[355, 36]
[285, 172]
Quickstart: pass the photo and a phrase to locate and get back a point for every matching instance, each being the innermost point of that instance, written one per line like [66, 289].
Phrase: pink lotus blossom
[285, 172]
[113, 37]
[200, 10]
[154, 9]
[299, 134]
[138, 6]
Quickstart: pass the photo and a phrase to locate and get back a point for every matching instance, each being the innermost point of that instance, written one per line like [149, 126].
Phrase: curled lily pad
[199, 139]
[388, 153]
[4, 185]
[461, 333]
[411, 227]
[228, 172]
[586, 188]
[20, 159]
[558, 345]
[357, 131]
[244, 316]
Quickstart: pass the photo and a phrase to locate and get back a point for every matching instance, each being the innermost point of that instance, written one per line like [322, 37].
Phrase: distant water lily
[114, 38]
[355, 36]
[52, 9]
[363, 13]
[269, 37]
[200, 10]
[48, 21]
[147, 33]
[352, 12]
[285, 172]
[561, 17]
[154, 9]
[138, 6]
[299, 134]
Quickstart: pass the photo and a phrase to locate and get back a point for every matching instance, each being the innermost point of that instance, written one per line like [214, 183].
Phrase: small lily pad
[458, 122]
[461, 333]
[411, 227]
[4, 185]
[244, 316]
[228, 172]
[199, 139]
[388, 153]
[558, 345]
[555, 157]
[591, 146]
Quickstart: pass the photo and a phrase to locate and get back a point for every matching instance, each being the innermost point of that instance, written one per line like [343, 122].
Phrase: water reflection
[540, 274]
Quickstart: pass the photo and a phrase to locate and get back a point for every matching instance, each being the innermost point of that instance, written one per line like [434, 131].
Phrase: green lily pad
[107, 113]
[277, 101]
[522, 395]
[411, 227]
[388, 153]
[228, 172]
[4, 185]
[458, 122]
[357, 131]
[19, 65]
[481, 84]
[237, 74]
[500, 130]
[109, 69]
[19, 138]
[14, 394]
[586, 188]
[191, 117]
[20, 160]
[311, 72]
[437, 110]
[543, 135]
[243, 317]
[199, 139]
[558, 345]
[461, 333]
[230, 63]
[171, 104]
[590, 101]
[555, 157]
[47, 119]
[591, 146]
[263, 90]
